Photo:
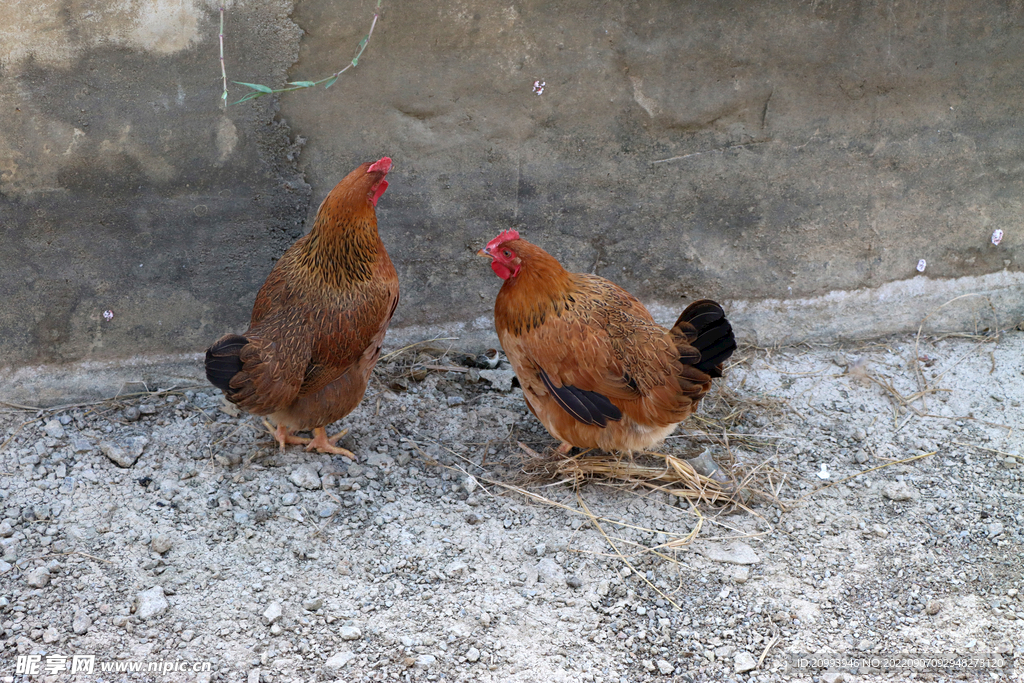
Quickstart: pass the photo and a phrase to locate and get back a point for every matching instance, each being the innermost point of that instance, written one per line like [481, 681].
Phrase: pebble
[53, 429]
[272, 613]
[741, 575]
[425, 661]
[151, 603]
[861, 456]
[147, 409]
[305, 476]
[38, 577]
[338, 661]
[327, 510]
[162, 543]
[879, 531]
[132, 413]
[5, 567]
[51, 635]
[665, 667]
[472, 655]
[350, 633]
[933, 607]
[899, 491]
[6, 530]
[81, 622]
[573, 581]
[313, 604]
[743, 662]
[736, 552]
[833, 677]
[549, 572]
[81, 445]
[126, 453]
[500, 378]
[456, 569]
[995, 529]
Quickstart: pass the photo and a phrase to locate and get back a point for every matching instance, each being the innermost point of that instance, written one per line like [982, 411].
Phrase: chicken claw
[322, 444]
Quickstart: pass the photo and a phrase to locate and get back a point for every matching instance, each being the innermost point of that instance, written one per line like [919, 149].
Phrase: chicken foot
[324, 444]
[320, 441]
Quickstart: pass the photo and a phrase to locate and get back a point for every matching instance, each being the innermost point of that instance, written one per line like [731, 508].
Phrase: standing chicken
[318, 322]
[595, 368]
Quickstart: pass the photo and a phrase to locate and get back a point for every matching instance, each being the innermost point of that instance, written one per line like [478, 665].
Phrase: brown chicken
[318, 322]
[595, 368]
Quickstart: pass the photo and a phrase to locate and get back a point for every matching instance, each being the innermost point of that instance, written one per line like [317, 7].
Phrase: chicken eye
[507, 253]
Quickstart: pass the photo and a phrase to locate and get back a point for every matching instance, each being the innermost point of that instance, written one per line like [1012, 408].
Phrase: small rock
[126, 453]
[81, 445]
[737, 552]
[741, 575]
[147, 409]
[472, 655]
[53, 429]
[272, 613]
[859, 434]
[861, 456]
[500, 379]
[132, 413]
[254, 676]
[994, 529]
[573, 581]
[473, 518]
[151, 603]
[6, 530]
[832, 677]
[51, 635]
[933, 607]
[350, 633]
[81, 622]
[305, 476]
[276, 629]
[162, 543]
[456, 569]
[313, 604]
[5, 567]
[665, 667]
[338, 661]
[425, 661]
[549, 572]
[327, 510]
[399, 384]
[899, 491]
[743, 662]
[38, 577]
[648, 665]
[877, 530]
[290, 498]
[455, 401]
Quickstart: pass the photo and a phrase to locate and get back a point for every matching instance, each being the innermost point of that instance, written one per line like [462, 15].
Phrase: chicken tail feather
[223, 361]
[714, 339]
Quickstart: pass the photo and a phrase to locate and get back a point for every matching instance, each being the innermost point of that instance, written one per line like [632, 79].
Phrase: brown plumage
[595, 368]
[318, 322]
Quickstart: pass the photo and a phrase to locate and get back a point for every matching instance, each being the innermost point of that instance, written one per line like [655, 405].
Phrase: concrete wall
[794, 159]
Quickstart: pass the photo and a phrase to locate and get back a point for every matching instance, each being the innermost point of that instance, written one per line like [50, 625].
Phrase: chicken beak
[483, 252]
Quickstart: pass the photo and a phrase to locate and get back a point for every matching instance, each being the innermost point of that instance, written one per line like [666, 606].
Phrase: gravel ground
[165, 528]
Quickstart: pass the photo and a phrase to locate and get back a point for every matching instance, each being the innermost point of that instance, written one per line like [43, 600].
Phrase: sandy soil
[419, 562]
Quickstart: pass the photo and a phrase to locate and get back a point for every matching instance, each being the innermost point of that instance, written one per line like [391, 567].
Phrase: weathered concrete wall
[794, 159]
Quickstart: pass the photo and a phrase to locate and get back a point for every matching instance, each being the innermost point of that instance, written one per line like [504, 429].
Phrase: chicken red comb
[382, 166]
[506, 236]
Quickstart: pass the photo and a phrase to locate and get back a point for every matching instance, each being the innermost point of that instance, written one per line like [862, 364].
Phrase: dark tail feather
[222, 361]
[714, 338]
